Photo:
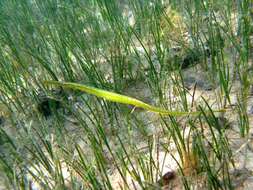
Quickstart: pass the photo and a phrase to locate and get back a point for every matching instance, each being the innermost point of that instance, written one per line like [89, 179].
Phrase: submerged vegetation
[189, 61]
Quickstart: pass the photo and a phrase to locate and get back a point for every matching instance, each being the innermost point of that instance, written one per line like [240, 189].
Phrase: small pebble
[251, 110]
[166, 178]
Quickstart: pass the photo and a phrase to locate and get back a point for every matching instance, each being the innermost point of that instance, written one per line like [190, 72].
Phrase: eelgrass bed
[106, 94]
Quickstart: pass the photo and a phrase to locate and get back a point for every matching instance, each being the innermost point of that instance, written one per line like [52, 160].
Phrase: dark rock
[2, 120]
[251, 90]
[189, 82]
[48, 105]
[207, 52]
[191, 58]
[223, 122]
[204, 85]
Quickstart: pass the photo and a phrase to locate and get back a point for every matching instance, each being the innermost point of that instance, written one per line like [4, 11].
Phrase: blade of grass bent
[115, 97]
